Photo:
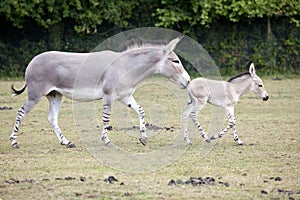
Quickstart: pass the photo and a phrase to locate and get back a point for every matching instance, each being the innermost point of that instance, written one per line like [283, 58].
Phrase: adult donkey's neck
[139, 65]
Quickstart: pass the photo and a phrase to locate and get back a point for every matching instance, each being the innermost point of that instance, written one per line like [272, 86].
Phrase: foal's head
[171, 66]
[257, 85]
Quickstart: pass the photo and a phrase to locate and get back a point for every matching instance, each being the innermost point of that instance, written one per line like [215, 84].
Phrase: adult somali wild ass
[223, 94]
[105, 75]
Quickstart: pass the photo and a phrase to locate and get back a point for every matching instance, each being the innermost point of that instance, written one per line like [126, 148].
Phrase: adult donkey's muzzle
[185, 80]
[265, 98]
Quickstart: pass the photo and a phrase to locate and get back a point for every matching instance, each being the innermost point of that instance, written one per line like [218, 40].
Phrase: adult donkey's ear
[252, 70]
[172, 44]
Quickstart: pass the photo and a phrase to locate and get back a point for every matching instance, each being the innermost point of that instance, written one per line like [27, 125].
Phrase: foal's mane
[143, 43]
[239, 76]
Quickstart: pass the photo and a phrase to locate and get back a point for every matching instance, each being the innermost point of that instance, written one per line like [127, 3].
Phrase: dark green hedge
[231, 45]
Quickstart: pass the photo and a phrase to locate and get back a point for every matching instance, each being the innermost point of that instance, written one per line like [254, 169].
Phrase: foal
[222, 94]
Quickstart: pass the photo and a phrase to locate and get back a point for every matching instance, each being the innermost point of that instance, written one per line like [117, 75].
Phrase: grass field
[267, 167]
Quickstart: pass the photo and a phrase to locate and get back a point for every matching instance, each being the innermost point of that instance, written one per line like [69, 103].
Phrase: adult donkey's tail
[18, 92]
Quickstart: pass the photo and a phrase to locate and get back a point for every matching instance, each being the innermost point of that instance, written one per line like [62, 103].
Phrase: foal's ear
[252, 70]
[172, 44]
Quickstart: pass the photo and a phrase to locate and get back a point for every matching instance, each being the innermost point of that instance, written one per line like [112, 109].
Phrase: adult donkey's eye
[260, 85]
[175, 61]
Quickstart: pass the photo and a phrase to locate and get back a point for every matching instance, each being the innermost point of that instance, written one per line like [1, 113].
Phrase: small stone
[82, 178]
[172, 182]
[244, 174]
[77, 194]
[264, 192]
[278, 178]
[111, 179]
[68, 178]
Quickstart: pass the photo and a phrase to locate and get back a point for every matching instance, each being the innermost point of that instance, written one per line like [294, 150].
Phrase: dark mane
[239, 75]
[140, 43]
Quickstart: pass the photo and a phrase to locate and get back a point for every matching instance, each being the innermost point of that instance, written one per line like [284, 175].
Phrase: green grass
[270, 129]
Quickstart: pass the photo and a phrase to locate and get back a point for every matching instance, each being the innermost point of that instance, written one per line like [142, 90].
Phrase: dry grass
[271, 130]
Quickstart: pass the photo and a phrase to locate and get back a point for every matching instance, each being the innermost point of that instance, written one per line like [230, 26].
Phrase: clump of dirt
[13, 181]
[5, 108]
[281, 191]
[111, 180]
[196, 181]
[149, 127]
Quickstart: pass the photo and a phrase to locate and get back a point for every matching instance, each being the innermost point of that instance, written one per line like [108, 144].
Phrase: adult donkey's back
[103, 75]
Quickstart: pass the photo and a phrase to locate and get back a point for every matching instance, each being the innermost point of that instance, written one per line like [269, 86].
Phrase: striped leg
[55, 104]
[196, 122]
[192, 111]
[236, 137]
[131, 103]
[106, 111]
[185, 118]
[231, 123]
[26, 108]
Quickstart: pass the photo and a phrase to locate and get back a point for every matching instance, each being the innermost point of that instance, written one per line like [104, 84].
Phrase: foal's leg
[192, 111]
[235, 136]
[185, 119]
[106, 112]
[231, 124]
[26, 108]
[194, 117]
[55, 104]
[131, 103]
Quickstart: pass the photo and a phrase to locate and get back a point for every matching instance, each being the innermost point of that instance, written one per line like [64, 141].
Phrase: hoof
[70, 145]
[213, 137]
[109, 143]
[207, 140]
[15, 146]
[241, 143]
[106, 140]
[188, 141]
[143, 141]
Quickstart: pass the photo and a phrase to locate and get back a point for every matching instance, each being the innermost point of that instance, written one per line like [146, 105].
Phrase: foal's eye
[260, 85]
[175, 61]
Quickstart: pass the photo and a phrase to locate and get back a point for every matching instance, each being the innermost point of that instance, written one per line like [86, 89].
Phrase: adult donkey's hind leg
[26, 108]
[54, 99]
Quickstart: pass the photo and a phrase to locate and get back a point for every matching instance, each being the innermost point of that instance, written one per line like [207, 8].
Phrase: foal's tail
[18, 92]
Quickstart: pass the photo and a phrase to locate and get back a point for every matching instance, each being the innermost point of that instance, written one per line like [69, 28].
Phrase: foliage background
[234, 32]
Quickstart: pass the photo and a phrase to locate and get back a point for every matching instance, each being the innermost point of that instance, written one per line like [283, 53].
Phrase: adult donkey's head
[171, 66]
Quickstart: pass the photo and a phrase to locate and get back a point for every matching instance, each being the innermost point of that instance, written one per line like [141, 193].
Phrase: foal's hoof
[70, 145]
[15, 146]
[143, 141]
[188, 141]
[109, 143]
[207, 140]
[213, 137]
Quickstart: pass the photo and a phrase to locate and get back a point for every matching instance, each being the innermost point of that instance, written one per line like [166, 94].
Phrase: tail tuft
[18, 92]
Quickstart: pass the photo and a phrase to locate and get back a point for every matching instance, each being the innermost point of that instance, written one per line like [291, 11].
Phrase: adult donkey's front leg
[106, 111]
[131, 103]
